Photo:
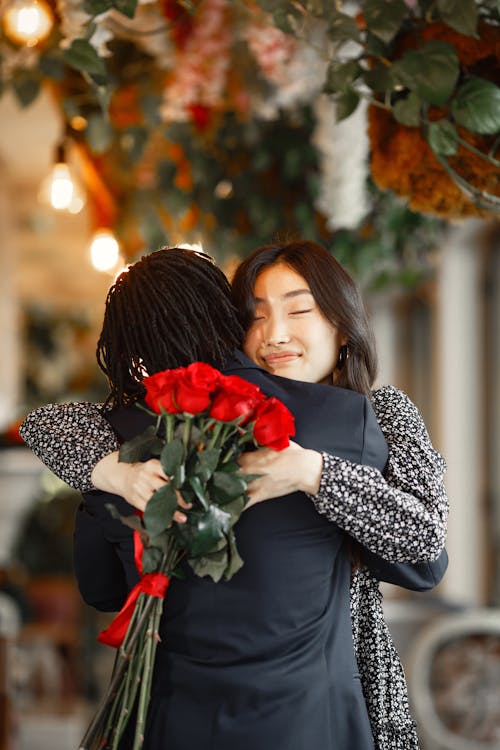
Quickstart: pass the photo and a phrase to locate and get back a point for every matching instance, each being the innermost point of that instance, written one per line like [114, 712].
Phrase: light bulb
[28, 21]
[60, 190]
[104, 250]
[61, 187]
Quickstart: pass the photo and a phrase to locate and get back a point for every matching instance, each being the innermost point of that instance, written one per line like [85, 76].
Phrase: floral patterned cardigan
[400, 517]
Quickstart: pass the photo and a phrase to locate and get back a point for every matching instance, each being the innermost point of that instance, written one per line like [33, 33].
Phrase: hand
[293, 469]
[134, 482]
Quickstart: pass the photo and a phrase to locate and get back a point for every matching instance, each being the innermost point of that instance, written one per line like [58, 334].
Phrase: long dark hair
[336, 294]
[169, 309]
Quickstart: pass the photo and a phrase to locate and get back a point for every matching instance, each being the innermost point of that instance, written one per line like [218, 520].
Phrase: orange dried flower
[401, 159]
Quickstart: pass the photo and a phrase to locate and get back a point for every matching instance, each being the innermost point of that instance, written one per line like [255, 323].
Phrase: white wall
[461, 423]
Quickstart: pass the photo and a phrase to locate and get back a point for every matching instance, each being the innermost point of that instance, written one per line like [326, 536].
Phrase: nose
[276, 331]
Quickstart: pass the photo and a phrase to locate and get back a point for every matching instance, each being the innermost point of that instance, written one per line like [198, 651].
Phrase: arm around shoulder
[70, 439]
[402, 514]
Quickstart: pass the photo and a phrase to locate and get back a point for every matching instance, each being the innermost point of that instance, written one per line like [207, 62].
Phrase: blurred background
[225, 125]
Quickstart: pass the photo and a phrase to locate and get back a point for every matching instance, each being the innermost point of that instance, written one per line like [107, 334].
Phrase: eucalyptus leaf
[431, 71]
[52, 66]
[384, 17]
[477, 106]
[151, 559]
[407, 111]
[227, 486]
[160, 510]
[206, 463]
[345, 104]
[82, 56]
[140, 446]
[26, 88]
[442, 137]
[99, 133]
[172, 456]
[461, 15]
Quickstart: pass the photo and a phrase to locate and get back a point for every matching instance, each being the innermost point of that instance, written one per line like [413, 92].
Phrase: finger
[179, 517]
[183, 503]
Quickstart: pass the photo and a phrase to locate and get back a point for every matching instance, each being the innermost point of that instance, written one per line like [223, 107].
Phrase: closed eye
[301, 312]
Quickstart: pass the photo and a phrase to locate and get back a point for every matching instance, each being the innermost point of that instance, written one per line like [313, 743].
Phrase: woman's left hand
[290, 470]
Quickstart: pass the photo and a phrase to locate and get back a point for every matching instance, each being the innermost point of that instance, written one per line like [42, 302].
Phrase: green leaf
[235, 562]
[179, 477]
[204, 531]
[442, 137]
[133, 141]
[26, 89]
[213, 565]
[206, 463]
[431, 71]
[345, 104]
[374, 46]
[83, 57]
[379, 78]
[172, 457]
[99, 134]
[133, 522]
[96, 7]
[343, 28]
[227, 486]
[384, 17]
[127, 7]
[151, 559]
[160, 510]
[460, 15]
[284, 17]
[140, 446]
[52, 66]
[340, 76]
[477, 106]
[199, 491]
[407, 110]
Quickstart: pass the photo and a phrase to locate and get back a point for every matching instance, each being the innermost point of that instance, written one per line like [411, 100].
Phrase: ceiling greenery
[200, 119]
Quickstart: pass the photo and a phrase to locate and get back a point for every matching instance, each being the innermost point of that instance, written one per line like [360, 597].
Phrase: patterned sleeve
[400, 516]
[70, 439]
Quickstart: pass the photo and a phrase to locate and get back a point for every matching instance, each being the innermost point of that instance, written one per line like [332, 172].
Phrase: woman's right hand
[135, 482]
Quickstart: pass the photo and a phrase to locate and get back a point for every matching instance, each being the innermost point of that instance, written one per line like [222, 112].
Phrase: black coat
[265, 660]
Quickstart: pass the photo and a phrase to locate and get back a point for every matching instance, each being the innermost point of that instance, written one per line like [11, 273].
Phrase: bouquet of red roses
[204, 420]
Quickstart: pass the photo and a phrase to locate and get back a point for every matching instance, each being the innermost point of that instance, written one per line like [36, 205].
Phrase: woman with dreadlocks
[266, 659]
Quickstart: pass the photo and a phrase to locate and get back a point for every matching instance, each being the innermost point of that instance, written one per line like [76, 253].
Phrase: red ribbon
[153, 584]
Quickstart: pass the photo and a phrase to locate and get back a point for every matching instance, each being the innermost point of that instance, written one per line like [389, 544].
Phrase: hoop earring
[343, 357]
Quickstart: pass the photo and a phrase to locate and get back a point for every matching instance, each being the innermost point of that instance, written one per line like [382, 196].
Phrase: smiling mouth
[283, 358]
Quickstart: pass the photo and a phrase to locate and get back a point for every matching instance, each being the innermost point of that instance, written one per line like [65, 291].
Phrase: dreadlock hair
[169, 309]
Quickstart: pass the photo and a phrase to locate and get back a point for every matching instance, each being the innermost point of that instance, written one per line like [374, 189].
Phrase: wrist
[311, 473]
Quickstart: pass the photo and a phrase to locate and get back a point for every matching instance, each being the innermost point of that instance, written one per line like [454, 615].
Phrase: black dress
[265, 660]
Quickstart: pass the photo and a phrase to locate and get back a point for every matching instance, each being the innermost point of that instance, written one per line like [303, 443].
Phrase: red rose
[195, 386]
[235, 398]
[274, 425]
[160, 390]
[181, 389]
